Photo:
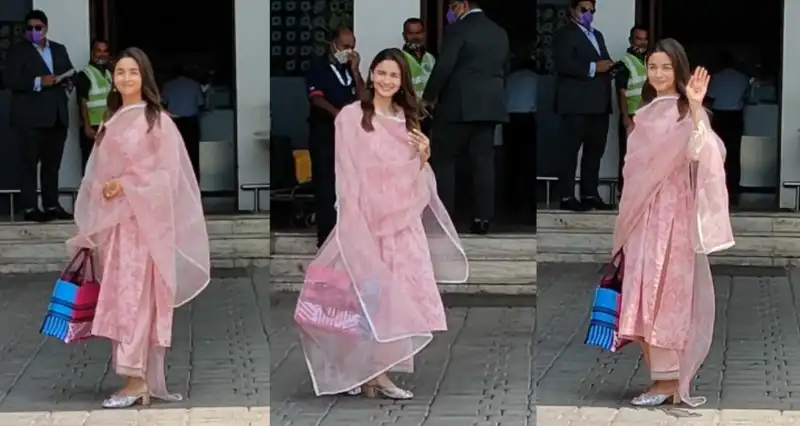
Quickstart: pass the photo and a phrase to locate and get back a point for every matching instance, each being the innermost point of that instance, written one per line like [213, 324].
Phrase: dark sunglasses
[586, 9]
[34, 27]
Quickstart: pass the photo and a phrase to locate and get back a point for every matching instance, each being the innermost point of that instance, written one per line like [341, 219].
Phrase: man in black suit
[583, 99]
[39, 114]
[468, 87]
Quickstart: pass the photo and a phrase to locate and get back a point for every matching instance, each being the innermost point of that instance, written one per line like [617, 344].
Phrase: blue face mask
[451, 17]
[586, 19]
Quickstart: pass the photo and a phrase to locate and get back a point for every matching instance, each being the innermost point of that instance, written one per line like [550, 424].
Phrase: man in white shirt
[519, 136]
[728, 94]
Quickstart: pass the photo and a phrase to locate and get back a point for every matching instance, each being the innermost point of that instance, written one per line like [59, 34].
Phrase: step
[765, 224]
[236, 242]
[63, 230]
[577, 242]
[493, 246]
[56, 265]
[493, 276]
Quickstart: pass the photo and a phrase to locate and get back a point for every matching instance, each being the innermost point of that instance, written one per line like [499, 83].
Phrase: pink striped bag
[328, 303]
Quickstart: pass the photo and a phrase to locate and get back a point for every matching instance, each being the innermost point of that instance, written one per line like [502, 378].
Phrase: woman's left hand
[697, 86]
[112, 188]
[420, 141]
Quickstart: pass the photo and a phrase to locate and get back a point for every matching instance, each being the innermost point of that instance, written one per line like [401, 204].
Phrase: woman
[675, 215]
[370, 300]
[139, 207]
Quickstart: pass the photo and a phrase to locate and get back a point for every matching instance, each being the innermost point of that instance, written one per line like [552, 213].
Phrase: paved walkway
[476, 374]
[751, 376]
[220, 360]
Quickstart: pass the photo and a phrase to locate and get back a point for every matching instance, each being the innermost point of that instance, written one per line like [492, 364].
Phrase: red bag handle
[85, 256]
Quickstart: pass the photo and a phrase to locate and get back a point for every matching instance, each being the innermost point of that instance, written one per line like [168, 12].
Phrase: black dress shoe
[479, 227]
[35, 215]
[596, 203]
[57, 213]
[572, 204]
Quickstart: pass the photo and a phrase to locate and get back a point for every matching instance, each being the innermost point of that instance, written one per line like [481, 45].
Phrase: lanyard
[340, 78]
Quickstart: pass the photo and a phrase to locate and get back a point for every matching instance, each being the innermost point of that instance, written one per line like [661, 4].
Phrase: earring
[114, 89]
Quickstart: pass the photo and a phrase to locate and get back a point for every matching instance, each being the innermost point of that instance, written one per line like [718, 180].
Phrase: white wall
[378, 25]
[790, 107]
[69, 25]
[252, 98]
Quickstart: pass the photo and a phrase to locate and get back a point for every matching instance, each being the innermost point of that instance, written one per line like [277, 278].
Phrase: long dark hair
[681, 68]
[404, 98]
[150, 94]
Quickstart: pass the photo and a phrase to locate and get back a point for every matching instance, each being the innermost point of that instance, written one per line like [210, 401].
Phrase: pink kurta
[151, 239]
[370, 299]
[671, 218]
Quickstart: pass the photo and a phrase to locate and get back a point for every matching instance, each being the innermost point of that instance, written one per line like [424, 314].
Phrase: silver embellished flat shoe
[354, 392]
[654, 400]
[373, 391]
[126, 401]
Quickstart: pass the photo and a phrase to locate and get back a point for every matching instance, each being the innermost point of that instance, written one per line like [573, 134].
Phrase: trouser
[43, 145]
[589, 131]
[519, 146]
[729, 126]
[87, 144]
[322, 136]
[189, 127]
[623, 148]
[449, 140]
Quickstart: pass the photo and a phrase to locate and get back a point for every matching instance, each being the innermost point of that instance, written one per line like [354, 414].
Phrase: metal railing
[794, 185]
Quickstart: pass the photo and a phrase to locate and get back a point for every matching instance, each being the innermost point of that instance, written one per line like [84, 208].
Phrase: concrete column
[790, 106]
[252, 95]
[614, 19]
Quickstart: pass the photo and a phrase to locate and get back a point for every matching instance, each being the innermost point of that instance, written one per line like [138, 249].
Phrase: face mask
[586, 19]
[413, 46]
[342, 56]
[451, 17]
[35, 36]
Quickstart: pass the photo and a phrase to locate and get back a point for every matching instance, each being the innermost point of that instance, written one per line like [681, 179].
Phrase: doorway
[201, 40]
[754, 37]
[515, 18]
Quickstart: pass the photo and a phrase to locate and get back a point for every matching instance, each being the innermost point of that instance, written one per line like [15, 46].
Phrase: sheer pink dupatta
[658, 146]
[159, 190]
[370, 300]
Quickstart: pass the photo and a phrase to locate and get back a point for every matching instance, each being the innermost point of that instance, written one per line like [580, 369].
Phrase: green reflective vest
[638, 75]
[420, 71]
[100, 85]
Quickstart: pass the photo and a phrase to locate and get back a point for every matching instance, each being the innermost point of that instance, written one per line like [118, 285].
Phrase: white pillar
[614, 18]
[378, 25]
[69, 25]
[790, 105]
[252, 95]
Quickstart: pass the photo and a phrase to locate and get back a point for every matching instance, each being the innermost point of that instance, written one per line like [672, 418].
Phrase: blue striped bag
[604, 321]
[72, 306]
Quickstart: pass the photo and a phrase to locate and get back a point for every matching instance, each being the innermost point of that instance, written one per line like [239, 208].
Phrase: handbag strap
[84, 255]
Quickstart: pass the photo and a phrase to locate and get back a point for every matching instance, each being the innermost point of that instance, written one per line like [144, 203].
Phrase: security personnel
[333, 81]
[420, 61]
[92, 85]
[630, 81]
